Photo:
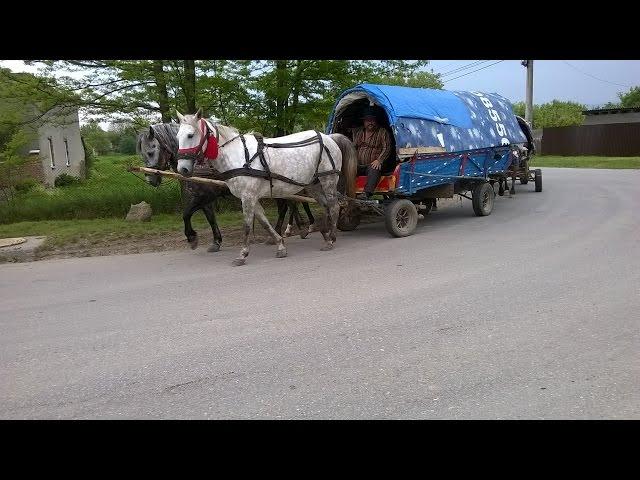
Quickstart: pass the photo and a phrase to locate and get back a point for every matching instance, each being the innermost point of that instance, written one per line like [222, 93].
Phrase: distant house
[611, 115]
[55, 146]
[53, 143]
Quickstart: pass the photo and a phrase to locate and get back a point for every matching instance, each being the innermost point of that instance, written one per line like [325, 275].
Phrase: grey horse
[256, 168]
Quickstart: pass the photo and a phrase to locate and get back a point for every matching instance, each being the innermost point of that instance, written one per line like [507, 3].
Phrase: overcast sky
[590, 82]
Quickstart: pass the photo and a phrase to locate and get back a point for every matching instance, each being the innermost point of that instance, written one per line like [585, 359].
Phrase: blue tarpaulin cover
[423, 117]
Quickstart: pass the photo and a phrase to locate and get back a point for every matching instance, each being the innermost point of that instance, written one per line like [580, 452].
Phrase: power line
[456, 68]
[469, 73]
[589, 75]
[464, 67]
[441, 66]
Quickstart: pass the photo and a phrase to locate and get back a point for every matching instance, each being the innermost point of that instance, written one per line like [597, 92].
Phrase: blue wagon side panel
[438, 169]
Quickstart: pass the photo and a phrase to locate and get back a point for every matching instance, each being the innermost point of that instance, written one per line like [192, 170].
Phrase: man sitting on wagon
[373, 145]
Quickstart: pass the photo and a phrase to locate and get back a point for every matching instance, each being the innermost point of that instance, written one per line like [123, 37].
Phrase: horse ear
[180, 117]
[151, 132]
[199, 113]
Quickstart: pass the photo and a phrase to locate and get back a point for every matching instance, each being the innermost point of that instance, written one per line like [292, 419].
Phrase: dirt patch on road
[117, 244]
[144, 244]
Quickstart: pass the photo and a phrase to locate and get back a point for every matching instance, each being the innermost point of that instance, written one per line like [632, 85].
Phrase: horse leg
[209, 212]
[248, 209]
[295, 217]
[334, 212]
[312, 220]
[282, 213]
[329, 186]
[300, 223]
[189, 232]
[262, 218]
[316, 191]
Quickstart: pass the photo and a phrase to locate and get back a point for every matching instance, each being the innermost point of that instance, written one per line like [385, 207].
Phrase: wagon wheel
[482, 198]
[349, 218]
[538, 178]
[401, 218]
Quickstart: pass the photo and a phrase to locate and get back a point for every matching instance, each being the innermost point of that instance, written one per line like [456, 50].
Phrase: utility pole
[528, 112]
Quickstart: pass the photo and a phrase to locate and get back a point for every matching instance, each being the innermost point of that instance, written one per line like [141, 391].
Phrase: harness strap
[247, 162]
[263, 161]
[253, 172]
[267, 174]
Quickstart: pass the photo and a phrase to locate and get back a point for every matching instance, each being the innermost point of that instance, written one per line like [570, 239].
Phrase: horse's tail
[349, 163]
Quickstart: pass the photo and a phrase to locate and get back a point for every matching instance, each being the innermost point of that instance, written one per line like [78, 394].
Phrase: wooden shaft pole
[209, 181]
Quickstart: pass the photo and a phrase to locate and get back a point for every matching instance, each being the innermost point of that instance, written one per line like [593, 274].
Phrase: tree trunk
[281, 96]
[161, 90]
[190, 85]
[295, 93]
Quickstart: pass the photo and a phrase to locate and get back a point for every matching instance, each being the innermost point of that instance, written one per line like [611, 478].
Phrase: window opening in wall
[51, 155]
[66, 150]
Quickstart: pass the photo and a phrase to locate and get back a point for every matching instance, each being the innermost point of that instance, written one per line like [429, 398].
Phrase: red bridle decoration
[211, 150]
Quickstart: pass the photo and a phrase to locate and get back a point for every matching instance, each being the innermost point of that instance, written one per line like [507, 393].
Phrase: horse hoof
[193, 243]
[238, 261]
[281, 253]
[326, 248]
[213, 248]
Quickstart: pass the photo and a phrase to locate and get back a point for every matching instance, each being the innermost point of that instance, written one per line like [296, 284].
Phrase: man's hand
[376, 165]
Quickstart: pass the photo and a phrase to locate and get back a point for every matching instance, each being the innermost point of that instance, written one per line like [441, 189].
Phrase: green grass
[108, 192]
[585, 162]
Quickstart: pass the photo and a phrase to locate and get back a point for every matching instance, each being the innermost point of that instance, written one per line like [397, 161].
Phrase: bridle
[207, 148]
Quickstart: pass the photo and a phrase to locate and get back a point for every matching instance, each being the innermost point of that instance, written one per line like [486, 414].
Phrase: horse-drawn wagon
[444, 143]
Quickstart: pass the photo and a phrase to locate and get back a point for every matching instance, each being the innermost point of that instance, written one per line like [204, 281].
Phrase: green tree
[123, 137]
[553, 114]
[630, 98]
[291, 95]
[274, 97]
[11, 160]
[95, 138]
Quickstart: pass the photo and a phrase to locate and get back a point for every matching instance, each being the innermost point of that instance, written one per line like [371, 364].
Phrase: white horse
[256, 168]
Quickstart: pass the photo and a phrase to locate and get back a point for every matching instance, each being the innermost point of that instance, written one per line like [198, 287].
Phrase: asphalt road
[532, 312]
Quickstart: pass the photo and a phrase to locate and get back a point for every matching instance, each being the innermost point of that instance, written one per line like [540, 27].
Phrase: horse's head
[192, 136]
[150, 150]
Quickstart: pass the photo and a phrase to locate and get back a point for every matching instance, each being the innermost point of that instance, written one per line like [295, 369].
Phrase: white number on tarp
[495, 116]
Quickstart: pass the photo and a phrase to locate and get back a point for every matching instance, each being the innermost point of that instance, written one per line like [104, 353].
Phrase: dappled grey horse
[255, 168]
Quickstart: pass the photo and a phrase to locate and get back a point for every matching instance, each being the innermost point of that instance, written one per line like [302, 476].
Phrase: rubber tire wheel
[401, 218]
[347, 223]
[482, 204]
[524, 179]
[538, 177]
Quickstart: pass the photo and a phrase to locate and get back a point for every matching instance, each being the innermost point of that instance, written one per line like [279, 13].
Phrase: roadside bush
[65, 179]
[25, 185]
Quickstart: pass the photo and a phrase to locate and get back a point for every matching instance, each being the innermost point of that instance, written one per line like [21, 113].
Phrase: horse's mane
[167, 135]
[226, 131]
